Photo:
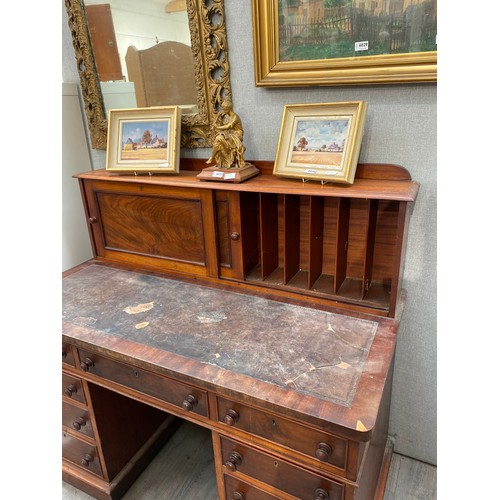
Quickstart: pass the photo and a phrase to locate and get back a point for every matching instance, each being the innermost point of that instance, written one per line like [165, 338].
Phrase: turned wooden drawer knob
[321, 494]
[86, 364]
[231, 417]
[70, 390]
[235, 236]
[87, 459]
[323, 452]
[92, 219]
[237, 495]
[78, 423]
[189, 403]
[233, 461]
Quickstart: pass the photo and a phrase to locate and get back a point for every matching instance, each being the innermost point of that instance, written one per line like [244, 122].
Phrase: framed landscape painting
[321, 141]
[144, 140]
[344, 42]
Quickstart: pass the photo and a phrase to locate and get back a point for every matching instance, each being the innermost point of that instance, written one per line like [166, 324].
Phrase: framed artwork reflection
[321, 141]
[344, 42]
[144, 140]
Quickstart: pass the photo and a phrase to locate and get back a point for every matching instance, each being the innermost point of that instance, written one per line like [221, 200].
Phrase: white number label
[361, 46]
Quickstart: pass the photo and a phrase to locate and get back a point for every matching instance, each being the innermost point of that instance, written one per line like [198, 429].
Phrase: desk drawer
[319, 445]
[239, 490]
[177, 393]
[72, 388]
[291, 479]
[81, 453]
[77, 419]
[67, 354]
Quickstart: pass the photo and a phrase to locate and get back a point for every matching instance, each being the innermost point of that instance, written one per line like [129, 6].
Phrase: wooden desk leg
[221, 490]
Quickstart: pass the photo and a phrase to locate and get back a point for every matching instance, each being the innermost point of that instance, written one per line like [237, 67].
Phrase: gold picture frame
[144, 140]
[364, 65]
[321, 141]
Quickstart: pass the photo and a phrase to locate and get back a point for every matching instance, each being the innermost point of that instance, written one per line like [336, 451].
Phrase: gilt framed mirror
[122, 66]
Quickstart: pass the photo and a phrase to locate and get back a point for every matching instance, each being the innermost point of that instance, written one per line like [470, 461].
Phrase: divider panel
[316, 223]
[269, 250]
[343, 216]
[370, 245]
[291, 237]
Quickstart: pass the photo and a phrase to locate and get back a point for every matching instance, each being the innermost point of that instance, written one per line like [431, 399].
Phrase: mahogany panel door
[171, 229]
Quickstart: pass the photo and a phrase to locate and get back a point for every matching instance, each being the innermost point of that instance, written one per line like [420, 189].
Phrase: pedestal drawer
[239, 490]
[289, 478]
[81, 453]
[314, 443]
[67, 354]
[72, 388]
[77, 418]
[172, 391]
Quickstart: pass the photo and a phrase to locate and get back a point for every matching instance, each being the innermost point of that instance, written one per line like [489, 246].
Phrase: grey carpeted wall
[401, 129]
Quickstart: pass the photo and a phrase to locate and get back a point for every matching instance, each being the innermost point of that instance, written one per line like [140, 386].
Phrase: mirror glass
[146, 53]
[136, 47]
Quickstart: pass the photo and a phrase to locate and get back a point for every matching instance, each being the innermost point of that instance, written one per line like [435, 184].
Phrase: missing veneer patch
[139, 308]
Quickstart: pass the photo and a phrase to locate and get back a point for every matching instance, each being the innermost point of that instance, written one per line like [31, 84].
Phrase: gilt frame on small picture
[144, 140]
[321, 141]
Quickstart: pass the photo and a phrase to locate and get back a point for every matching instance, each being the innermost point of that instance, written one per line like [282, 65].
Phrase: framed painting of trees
[344, 42]
[144, 140]
[321, 141]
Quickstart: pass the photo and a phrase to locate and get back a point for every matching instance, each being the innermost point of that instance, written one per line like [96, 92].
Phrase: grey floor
[190, 473]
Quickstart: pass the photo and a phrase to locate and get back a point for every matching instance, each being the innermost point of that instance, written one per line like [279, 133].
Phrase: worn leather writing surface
[318, 353]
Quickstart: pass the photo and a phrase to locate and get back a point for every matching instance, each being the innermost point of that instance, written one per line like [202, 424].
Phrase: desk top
[293, 359]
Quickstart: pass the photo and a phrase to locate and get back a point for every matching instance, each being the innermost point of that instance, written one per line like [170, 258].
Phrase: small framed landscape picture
[144, 140]
[321, 141]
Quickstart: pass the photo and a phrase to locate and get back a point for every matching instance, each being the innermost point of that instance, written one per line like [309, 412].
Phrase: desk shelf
[342, 245]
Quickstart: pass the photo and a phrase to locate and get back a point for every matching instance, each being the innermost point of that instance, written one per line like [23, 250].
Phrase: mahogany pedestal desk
[265, 311]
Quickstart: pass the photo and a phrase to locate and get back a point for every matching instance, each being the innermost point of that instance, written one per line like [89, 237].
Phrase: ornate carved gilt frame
[209, 45]
[377, 69]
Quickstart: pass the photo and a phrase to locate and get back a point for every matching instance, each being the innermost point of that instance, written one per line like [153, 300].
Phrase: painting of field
[317, 158]
[319, 142]
[144, 140]
[146, 154]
